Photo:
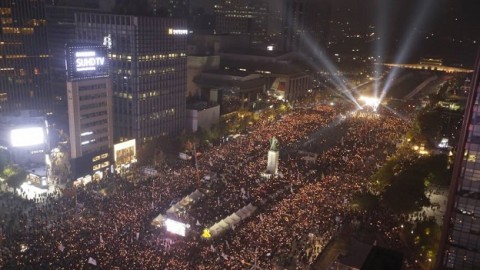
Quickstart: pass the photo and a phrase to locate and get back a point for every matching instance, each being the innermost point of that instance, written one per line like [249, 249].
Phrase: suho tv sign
[86, 62]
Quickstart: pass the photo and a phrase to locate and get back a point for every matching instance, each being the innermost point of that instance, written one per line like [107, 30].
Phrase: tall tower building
[460, 242]
[24, 70]
[60, 31]
[242, 17]
[170, 8]
[304, 23]
[89, 94]
[148, 71]
[293, 23]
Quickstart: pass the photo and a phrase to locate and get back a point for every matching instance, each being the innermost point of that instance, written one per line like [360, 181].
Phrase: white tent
[232, 220]
[173, 209]
[246, 211]
[185, 201]
[223, 224]
[158, 221]
[196, 195]
[216, 229]
[251, 208]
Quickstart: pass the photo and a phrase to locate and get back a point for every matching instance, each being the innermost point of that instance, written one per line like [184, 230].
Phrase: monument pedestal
[272, 163]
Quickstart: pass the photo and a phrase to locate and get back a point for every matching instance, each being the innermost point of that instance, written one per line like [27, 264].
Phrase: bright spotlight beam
[423, 13]
[380, 37]
[338, 79]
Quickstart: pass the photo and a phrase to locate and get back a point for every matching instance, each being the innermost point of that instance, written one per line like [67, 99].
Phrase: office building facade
[148, 71]
[89, 95]
[60, 31]
[304, 25]
[24, 69]
[170, 8]
[460, 243]
[244, 17]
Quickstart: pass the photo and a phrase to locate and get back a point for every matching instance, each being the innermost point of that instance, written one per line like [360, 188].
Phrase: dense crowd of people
[88, 227]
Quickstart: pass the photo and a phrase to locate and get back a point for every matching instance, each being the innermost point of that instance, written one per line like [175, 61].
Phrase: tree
[149, 152]
[435, 168]
[406, 193]
[4, 159]
[424, 240]
[365, 201]
[383, 176]
[14, 176]
[430, 125]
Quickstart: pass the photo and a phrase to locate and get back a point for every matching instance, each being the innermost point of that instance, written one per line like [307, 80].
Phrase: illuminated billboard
[30, 136]
[125, 152]
[176, 227]
[172, 31]
[86, 62]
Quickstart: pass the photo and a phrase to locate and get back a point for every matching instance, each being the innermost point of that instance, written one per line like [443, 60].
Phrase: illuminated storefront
[125, 153]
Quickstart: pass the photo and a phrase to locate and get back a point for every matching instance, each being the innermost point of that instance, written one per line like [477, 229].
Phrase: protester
[299, 211]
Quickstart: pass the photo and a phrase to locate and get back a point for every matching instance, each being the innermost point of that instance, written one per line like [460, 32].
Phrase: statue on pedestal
[273, 155]
[274, 144]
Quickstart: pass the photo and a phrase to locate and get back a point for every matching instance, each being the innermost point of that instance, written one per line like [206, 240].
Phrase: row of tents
[185, 202]
[231, 221]
[178, 207]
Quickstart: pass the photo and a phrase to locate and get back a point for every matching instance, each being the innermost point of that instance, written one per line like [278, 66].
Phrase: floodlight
[370, 101]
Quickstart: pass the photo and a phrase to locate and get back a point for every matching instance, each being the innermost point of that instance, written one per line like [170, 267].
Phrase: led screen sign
[29, 136]
[86, 62]
[176, 227]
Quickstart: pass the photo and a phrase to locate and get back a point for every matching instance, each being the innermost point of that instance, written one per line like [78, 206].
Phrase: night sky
[448, 29]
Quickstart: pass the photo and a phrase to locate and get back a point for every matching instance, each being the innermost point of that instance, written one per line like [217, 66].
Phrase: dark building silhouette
[243, 17]
[24, 70]
[60, 31]
[170, 8]
[287, 25]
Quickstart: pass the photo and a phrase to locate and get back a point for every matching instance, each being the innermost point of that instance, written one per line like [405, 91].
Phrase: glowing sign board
[86, 62]
[125, 152]
[107, 41]
[172, 31]
[175, 227]
[30, 136]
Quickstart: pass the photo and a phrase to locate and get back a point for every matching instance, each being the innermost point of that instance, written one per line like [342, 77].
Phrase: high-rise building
[148, 71]
[304, 24]
[242, 17]
[170, 8]
[24, 70]
[200, 21]
[460, 242]
[60, 31]
[89, 93]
